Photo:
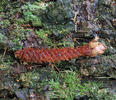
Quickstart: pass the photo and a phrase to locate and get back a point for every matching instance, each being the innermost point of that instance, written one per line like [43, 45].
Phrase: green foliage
[45, 19]
[60, 28]
[58, 12]
[30, 79]
[19, 21]
[32, 13]
[17, 35]
[4, 23]
[3, 39]
[66, 44]
[5, 62]
[43, 34]
[29, 17]
[2, 3]
[36, 7]
[97, 92]
[67, 86]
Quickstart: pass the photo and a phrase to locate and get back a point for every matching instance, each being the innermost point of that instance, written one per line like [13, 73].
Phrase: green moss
[2, 5]
[60, 29]
[66, 85]
[5, 23]
[65, 44]
[30, 78]
[55, 13]
[20, 21]
[43, 34]
[32, 12]
[5, 62]
[35, 7]
[29, 17]
[97, 92]
[17, 35]
[36, 22]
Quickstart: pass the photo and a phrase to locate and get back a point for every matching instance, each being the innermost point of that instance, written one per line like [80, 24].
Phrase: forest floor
[49, 24]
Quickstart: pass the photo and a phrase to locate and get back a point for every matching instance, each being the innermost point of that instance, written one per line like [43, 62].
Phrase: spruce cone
[35, 55]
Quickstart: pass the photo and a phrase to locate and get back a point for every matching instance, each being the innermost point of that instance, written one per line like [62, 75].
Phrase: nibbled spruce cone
[35, 55]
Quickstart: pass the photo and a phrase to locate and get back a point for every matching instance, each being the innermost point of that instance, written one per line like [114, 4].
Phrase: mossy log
[98, 66]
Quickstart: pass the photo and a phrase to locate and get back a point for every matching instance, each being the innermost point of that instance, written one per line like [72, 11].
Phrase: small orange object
[46, 34]
[26, 25]
[35, 55]
[22, 1]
